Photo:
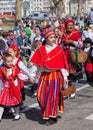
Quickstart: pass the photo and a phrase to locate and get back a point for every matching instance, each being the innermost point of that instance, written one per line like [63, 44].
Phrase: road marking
[36, 104]
[30, 107]
[90, 117]
[83, 87]
[27, 87]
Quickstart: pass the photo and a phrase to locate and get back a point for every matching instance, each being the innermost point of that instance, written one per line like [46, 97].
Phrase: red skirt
[71, 65]
[10, 97]
[73, 68]
[89, 67]
[48, 94]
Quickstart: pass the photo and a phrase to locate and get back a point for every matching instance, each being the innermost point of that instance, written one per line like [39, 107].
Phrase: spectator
[17, 28]
[25, 47]
[28, 31]
[90, 16]
[3, 45]
[38, 36]
[11, 39]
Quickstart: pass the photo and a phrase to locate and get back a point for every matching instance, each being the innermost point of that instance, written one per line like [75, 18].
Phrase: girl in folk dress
[51, 59]
[24, 71]
[1, 64]
[10, 95]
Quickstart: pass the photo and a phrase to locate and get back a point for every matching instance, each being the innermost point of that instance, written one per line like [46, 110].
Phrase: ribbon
[76, 54]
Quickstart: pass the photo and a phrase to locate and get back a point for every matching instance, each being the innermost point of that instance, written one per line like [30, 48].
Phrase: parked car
[29, 16]
[38, 16]
[43, 16]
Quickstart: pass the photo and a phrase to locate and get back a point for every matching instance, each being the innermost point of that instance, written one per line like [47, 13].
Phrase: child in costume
[24, 71]
[51, 59]
[1, 64]
[10, 95]
[36, 44]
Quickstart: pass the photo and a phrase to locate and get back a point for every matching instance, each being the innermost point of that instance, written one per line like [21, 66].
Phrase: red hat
[61, 28]
[69, 21]
[48, 32]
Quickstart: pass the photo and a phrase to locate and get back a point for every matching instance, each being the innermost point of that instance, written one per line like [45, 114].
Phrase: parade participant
[10, 95]
[36, 44]
[51, 59]
[15, 52]
[60, 34]
[1, 64]
[1, 83]
[72, 40]
[88, 47]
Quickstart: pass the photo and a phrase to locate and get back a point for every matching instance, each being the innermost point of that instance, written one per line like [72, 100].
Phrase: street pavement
[78, 114]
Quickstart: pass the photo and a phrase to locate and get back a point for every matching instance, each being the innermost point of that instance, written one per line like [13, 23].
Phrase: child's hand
[31, 80]
[65, 83]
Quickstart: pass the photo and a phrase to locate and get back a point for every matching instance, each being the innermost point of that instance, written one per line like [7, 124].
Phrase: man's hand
[69, 41]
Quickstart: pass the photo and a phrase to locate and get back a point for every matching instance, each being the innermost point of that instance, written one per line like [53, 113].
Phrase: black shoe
[90, 83]
[34, 95]
[71, 97]
[53, 120]
[66, 97]
[47, 123]
[22, 107]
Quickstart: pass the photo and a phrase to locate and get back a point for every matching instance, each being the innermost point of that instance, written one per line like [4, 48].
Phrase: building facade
[36, 6]
[86, 6]
[7, 6]
[30, 6]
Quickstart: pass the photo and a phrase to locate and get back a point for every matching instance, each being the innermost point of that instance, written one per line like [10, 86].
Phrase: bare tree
[18, 8]
[79, 11]
[59, 6]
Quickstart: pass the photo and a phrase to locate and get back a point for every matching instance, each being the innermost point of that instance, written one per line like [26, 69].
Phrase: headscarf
[69, 21]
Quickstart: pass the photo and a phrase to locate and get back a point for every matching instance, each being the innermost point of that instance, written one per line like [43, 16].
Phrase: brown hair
[6, 55]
